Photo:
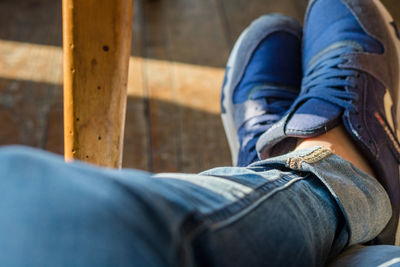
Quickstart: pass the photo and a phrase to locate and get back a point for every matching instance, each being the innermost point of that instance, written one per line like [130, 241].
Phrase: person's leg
[371, 256]
[351, 63]
[272, 213]
[58, 214]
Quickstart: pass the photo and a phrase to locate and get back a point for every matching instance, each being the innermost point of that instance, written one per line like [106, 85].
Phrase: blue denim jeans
[300, 209]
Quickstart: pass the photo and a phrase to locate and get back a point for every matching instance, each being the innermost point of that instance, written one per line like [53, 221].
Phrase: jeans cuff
[362, 199]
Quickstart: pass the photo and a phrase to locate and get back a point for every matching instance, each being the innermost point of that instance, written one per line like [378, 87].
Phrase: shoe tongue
[312, 118]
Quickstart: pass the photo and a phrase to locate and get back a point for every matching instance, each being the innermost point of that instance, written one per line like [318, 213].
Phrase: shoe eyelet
[358, 126]
[346, 61]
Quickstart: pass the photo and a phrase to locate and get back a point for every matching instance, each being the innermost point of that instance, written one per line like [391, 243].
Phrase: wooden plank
[28, 89]
[136, 145]
[30, 69]
[33, 21]
[24, 107]
[54, 141]
[10, 134]
[196, 41]
[186, 133]
[240, 13]
[203, 140]
[97, 38]
[161, 112]
[195, 33]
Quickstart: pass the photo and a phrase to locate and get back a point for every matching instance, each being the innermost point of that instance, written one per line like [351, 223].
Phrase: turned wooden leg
[97, 41]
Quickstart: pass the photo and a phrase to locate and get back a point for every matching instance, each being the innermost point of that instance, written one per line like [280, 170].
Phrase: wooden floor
[177, 66]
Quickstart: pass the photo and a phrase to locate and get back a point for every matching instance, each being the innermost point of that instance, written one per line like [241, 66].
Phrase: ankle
[339, 142]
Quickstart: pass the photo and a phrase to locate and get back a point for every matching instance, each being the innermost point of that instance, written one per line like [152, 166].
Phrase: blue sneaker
[351, 63]
[262, 80]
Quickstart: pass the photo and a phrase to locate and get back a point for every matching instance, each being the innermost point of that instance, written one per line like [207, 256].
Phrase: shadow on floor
[159, 136]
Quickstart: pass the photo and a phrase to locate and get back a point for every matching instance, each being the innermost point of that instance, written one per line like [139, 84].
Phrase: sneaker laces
[327, 81]
[275, 101]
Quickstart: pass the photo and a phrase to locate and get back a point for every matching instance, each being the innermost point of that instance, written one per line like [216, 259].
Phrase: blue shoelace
[276, 102]
[325, 80]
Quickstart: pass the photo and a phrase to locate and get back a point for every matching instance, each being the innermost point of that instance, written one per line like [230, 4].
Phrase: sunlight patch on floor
[189, 85]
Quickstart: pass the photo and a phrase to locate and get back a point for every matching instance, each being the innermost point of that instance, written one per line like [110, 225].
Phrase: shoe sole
[227, 118]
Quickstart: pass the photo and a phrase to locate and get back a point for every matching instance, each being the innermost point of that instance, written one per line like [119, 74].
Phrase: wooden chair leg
[97, 41]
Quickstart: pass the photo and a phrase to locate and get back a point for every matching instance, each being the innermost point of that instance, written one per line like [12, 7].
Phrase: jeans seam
[197, 223]
[238, 209]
